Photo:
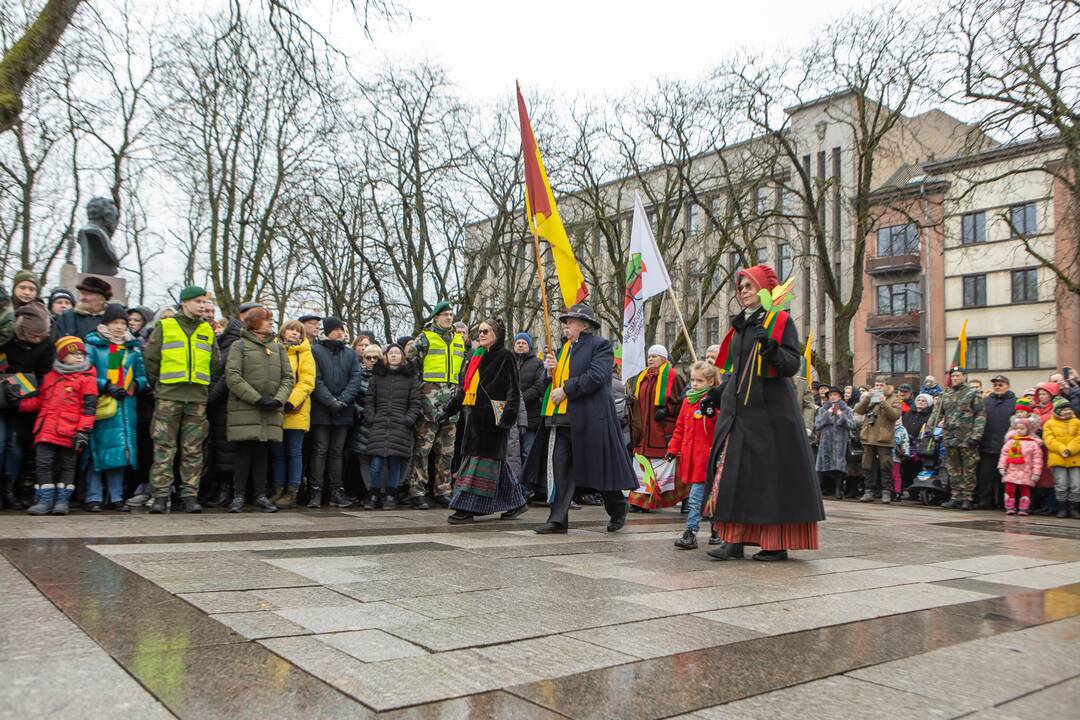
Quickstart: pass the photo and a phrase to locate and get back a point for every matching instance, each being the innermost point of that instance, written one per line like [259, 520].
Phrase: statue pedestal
[70, 277]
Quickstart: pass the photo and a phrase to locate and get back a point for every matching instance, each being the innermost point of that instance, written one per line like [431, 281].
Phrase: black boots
[8, 499]
[315, 497]
[338, 499]
[264, 504]
[727, 551]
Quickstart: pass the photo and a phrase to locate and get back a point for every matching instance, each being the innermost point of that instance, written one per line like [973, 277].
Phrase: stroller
[931, 485]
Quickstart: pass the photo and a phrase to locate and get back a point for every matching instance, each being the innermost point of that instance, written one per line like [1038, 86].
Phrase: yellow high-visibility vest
[442, 364]
[184, 358]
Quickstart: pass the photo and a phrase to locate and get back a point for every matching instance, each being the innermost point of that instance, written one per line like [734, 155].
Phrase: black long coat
[337, 377]
[999, 412]
[482, 436]
[222, 451]
[391, 410]
[768, 475]
[601, 458]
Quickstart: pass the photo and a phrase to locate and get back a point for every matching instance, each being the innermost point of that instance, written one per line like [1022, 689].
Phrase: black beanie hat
[114, 311]
[330, 324]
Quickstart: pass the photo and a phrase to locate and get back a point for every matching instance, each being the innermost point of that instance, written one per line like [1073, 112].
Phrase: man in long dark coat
[578, 407]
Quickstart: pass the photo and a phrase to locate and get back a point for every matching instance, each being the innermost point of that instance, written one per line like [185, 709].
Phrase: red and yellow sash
[562, 373]
[774, 323]
[663, 385]
[472, 377]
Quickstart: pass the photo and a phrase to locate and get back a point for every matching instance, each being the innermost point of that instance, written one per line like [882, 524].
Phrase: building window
[733, 268]
[898, 358]
[761, 256]
[898, 298]
[670, 334]
[761, 199]
[1025, 287]
[973, 228]
[977, 355]
[784, 263]
[898, 240]
[974, 291]
[712, 331]
[693, 219]
[735, 211]
[1025, 349]
[1022, 219]
[788, 200]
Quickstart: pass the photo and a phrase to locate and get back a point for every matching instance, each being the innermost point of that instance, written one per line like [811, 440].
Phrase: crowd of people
[123, 408]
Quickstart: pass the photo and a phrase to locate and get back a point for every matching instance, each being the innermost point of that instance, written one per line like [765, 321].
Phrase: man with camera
[882, 409]
[963, 421]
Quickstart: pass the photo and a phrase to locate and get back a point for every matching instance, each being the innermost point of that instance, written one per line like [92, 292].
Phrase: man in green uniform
[181, 355]
[439, 352]
[963, 419]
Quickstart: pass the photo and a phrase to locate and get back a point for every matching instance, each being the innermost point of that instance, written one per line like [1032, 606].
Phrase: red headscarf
[761, 275]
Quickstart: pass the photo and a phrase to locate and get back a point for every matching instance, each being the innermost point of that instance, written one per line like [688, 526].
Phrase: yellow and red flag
[544, 217]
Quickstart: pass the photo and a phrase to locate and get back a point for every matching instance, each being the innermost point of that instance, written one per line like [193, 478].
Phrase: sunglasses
[371, 357]
[483, 331]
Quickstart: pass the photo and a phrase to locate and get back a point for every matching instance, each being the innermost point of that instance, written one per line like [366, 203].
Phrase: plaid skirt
[483, 486]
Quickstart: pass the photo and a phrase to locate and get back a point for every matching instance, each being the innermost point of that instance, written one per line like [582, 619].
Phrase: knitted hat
[928, 398]
[762, 275]
[658, 350]
[114, 311]
[403, 340]
[1023, 403]
[330, 324]
[24, 275]
[526, 337]
[32, 319]
[67, 345]
[1060, 404]
[91, 284]
[60, 294]
[191, 292]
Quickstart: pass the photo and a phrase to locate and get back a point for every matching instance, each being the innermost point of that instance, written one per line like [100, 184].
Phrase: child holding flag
[691, 444]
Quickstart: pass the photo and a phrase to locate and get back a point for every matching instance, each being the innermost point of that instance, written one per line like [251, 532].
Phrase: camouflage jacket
[963, 416]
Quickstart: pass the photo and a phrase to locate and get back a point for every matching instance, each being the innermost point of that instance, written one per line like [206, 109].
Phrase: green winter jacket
[256, 368]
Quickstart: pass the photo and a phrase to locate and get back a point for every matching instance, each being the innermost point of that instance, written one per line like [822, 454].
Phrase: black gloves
[289, 407]
[12, 394]
[670, 456]
[338, 406]
[759, 334]
[974, 442]
[268, 403]
[81, 441]
[114, 390]
[710, 404]
[660, 415]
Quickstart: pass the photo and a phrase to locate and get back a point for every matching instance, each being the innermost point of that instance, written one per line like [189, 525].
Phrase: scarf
[67, 369]
[1016, 455]
[472, 377]
[114, 339]
[663, 384]
[562, 374]
[694, 396]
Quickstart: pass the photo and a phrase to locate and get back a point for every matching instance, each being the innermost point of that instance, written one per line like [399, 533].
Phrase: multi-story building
[951, 245]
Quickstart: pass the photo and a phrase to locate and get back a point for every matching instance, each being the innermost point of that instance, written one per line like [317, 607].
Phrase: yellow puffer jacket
[1058, 435]
[303, 367]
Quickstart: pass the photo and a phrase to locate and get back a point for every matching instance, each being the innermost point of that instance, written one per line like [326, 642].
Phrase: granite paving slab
[371, 645]
[263, 624]
[357, 616]
[664, 636]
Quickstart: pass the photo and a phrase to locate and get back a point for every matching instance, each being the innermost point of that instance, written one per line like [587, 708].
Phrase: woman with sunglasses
[490, 396]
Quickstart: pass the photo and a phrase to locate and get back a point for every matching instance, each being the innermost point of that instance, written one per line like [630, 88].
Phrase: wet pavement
[905, 612]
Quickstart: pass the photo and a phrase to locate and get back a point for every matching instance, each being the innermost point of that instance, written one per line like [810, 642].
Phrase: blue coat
[113, 442]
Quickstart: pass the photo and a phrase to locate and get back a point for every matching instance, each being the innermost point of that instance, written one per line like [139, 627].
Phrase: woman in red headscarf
[762, 490]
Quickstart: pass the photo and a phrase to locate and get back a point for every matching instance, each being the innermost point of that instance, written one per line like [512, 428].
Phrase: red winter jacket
[65, 404]
[692, 441]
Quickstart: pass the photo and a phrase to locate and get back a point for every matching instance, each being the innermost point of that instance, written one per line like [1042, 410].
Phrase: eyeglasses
[483, 331]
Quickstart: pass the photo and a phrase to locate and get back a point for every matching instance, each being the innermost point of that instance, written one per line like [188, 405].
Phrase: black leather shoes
[511, 514]
[550, 529]
[616, 523]
[727, 551]
[771, 555]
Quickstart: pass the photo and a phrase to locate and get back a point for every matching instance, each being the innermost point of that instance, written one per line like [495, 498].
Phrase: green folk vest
[442, 363]
[184, 358]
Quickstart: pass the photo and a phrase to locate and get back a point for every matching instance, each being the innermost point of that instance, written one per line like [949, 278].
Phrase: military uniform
[181, 355]
[439, 354]
[963, 418]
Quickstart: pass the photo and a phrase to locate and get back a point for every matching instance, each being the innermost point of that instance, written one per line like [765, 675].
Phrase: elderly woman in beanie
[762, 488]
[24, 288]
[30, 352]
[116, 356]
[490, 395]
[260, 380]
[655, 400]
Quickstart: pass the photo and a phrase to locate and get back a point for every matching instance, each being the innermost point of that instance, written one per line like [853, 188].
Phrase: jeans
[328, 446]
[695, 501]
[526, 443]
[393, 472]
[10, 449]
[114, 480]
[288, 457]
[1067, 484]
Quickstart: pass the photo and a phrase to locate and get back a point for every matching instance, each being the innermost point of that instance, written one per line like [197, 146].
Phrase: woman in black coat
[491, 398]
[764, 490]
[391, 410]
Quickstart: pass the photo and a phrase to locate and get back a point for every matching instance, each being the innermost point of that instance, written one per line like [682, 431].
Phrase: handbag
[106, 407]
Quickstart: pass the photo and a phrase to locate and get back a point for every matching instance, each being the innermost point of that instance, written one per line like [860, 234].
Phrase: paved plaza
[905, 612]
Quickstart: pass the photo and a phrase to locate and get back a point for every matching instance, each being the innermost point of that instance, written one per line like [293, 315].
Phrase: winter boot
[1025, 505]
[867, 497]
[276, 494]
[159, 505]
[264, 504]
[287, 500]
[63, 497]
[9, 499]
[390, 501]
[236, 504]
[726, 551]
[191, 504]
[220, 497]
[338, 499]
[315, 498]
[840, 480]
[1063, 509]
[1074, 510]
[688, 541]
[886, 497]
[374, 498]
[44, 499]
[1010, 505]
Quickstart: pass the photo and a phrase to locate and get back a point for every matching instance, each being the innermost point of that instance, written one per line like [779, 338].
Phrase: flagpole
[543, 284]
[686, 333]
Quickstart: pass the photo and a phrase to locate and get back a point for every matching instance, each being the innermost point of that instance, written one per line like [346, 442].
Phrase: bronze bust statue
[98, 255]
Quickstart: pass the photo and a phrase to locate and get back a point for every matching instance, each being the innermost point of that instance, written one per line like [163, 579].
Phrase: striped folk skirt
[483, 486]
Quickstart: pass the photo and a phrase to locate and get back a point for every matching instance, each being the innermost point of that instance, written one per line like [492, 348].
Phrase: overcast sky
[586, 47]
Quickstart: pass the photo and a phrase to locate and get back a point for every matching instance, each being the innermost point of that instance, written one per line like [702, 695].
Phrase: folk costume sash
[472, 376]
[663, 385]
[774, 324]
[118, 372]
[562, 373]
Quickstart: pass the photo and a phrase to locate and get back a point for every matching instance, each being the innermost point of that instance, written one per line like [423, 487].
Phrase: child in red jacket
[66, 404]
[691, 443]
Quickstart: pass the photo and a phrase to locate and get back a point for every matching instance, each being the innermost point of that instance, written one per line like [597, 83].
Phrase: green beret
[191, 292]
